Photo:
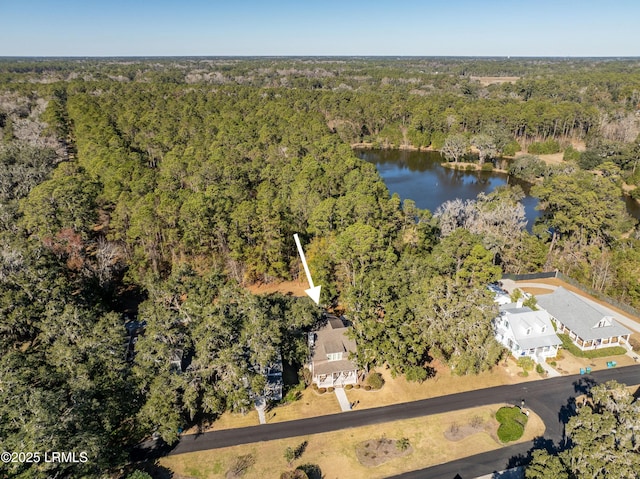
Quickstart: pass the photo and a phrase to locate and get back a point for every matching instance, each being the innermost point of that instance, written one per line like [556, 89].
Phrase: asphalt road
[550, 399]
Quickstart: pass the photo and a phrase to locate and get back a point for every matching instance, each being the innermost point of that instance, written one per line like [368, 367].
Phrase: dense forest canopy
[159, 189]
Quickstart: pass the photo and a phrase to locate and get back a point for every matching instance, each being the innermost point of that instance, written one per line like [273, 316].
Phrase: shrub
[295, 393]
[322, 390]
[527, 168]
[416, 373]
[367, 388]
[635, 344]
[571, 154]
[476, 421]
[357, 386]
[526, 363]
[403, 444]
[331, 389]
[531, 302]
[289, 455]
[589, 160]
[240, 465]
[375, 380]
[348, 386]
[511, 148]
[547, 147]
[487, 167]
[540, 369]
[312, 471]
[512, 422]
[139, 475]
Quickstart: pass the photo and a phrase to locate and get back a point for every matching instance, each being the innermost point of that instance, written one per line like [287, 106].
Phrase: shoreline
[475, 167]
[372, 146]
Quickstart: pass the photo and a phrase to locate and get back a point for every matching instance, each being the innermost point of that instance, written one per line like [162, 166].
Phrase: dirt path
[294, 288]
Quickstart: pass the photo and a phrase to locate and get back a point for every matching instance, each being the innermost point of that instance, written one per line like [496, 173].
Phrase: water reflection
[418, 175]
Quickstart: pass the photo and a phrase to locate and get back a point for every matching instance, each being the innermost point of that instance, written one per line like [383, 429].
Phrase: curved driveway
[549, 398]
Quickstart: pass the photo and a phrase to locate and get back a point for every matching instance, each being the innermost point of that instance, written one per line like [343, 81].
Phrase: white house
[526, 332]
[588, 324]
[329, 355]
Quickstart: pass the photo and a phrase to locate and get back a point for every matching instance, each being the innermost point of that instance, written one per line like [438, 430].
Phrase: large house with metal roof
[588, 324]
[329, 355]
[526, 332]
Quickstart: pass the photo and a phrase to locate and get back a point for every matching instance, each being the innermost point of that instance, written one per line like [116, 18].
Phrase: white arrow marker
[313, 291]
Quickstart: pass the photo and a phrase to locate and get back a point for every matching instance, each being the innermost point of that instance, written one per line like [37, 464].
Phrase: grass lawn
[591, 354]
[335, 452]
[395, 390]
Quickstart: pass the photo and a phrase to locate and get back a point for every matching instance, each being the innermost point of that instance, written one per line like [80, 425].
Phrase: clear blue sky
[324, 27]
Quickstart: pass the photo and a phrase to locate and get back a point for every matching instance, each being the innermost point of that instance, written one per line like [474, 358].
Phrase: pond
[418, 175]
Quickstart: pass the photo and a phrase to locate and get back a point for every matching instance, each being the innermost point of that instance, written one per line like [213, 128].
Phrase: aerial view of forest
[158, 192]
[319, 240]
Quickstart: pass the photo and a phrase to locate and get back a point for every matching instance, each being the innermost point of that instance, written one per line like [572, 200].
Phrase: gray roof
[531, 329]
[580, 316]
[332, 338]
[330, 367]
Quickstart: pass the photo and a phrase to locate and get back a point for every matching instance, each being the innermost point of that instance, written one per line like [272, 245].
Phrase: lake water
[418, 175]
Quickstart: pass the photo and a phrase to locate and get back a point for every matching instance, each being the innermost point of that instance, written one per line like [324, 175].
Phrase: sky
[318, 28]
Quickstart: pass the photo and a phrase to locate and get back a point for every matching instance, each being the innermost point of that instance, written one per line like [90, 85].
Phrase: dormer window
[334, 356]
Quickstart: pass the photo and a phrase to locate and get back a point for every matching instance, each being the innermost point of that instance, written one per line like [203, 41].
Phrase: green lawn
[592, 354]
[512, 423]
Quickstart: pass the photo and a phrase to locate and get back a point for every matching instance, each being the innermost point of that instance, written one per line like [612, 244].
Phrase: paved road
[548, 398]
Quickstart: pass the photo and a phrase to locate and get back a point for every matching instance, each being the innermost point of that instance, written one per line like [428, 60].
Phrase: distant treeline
[161, 188]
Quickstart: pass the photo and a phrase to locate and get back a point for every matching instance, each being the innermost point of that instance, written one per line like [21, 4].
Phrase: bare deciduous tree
[455, 146]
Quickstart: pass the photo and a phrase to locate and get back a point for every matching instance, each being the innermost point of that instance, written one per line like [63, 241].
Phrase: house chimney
[519, 303]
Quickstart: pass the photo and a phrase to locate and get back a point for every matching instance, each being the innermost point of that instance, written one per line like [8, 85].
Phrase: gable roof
[580, 316]
[531, 329]
[332, 338]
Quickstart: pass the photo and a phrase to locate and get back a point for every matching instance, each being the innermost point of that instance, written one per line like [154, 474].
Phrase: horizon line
[506, 57]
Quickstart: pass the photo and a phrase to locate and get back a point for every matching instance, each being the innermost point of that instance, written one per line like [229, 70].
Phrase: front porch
[537, 354]
[337, 379]
[591, 344]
